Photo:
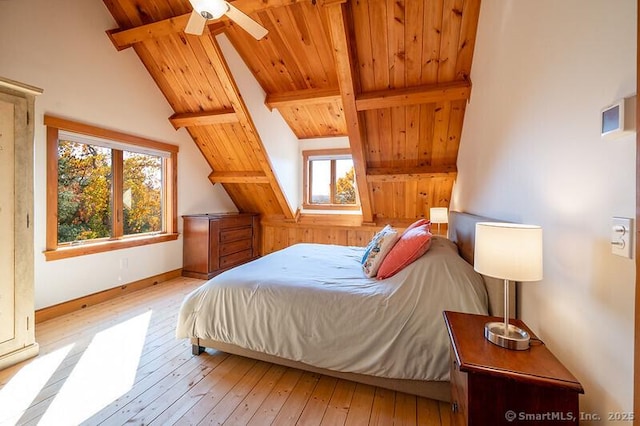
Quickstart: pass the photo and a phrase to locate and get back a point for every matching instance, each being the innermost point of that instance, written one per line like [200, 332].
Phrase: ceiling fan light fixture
[205, 10]
[210, 9]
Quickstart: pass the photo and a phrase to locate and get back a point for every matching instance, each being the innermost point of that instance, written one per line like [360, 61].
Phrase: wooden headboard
[462, 231]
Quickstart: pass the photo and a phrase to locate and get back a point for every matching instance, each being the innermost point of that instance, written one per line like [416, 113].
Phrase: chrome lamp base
[515, 338]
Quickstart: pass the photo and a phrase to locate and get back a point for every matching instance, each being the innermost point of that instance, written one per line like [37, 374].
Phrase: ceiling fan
[205, 10]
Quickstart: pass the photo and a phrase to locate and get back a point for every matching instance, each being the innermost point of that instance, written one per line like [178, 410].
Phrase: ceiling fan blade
[196, 24]
[247, 24]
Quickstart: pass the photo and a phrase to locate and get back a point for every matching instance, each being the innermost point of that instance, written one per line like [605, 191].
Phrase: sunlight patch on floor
[106, 371]
[17, 395]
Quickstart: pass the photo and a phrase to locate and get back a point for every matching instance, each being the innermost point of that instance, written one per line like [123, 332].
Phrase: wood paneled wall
[344, 230]
[277, 235]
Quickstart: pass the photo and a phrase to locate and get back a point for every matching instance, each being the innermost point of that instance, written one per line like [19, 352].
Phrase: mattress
[312, 303]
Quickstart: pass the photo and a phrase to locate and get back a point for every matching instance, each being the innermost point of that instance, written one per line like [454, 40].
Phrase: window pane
[84, 192]
[321, 181]
[142, 193]
[345, 182]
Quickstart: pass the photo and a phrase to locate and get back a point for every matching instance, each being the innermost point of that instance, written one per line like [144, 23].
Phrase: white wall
[334, 142]
[60, 46]
[277, 137]
[531, 152]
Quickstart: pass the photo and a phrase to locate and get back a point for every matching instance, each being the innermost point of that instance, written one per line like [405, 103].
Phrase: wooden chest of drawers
[216, 242]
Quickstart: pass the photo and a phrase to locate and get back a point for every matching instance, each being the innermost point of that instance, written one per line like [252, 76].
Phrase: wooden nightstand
[491, 385]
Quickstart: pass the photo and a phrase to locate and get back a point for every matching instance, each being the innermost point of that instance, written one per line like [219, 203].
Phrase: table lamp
[511, 252]
[439, 215]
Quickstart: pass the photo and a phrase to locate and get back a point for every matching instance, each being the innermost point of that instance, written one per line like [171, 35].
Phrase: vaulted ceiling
[392, 75]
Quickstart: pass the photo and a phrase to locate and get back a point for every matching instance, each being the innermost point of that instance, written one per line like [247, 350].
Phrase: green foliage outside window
[84, 192]
[85, 200]
[142, 193]
[346, 188]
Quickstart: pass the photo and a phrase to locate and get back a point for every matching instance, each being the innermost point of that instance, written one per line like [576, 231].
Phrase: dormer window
[329, 180]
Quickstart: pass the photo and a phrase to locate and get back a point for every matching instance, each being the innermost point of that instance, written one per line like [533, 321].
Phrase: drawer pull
[454, 407]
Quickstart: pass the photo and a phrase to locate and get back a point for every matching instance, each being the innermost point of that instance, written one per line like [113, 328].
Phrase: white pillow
[378, 248]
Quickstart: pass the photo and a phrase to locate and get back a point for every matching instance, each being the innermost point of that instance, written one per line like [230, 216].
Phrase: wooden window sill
[101, 247]
[331, 207]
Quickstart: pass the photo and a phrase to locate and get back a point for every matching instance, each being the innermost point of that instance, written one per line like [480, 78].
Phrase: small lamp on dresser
[439, 215]
[512, 252]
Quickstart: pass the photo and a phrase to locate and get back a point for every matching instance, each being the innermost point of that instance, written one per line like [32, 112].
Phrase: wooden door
[7, 209]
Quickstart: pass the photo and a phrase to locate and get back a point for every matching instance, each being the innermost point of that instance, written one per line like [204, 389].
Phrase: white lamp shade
[439, 215]
[508, 251]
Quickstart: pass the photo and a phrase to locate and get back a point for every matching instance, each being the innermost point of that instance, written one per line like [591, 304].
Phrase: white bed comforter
[312, 303]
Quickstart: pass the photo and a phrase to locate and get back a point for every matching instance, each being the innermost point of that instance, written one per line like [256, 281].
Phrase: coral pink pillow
[412, 244]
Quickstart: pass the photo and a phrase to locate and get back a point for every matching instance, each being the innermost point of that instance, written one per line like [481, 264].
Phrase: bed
[309, 306]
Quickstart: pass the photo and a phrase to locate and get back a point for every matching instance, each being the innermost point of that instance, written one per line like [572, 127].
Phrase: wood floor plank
[361, 405]
[318, 402]
[192, 368]
[248, 407]
[168, 385]
[383, 407]
[174, 360]
[271, 406]
[83, 332]
[153, 409]
[150, 353]
[221, 412]
[296, 402]
[112, 311]
[445, 413]
[161, 368]
[428, 411]
[186, 402]
[201, 408]
[338, 408]
[405, 413]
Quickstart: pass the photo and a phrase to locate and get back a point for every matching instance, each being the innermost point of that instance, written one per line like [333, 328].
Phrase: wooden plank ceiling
[393, 75]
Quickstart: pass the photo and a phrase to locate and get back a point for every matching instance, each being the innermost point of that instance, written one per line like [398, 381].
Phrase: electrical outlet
[622, 236]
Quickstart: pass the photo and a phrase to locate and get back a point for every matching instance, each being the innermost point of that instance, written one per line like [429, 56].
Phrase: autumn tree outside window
[329, 180]
[107, 190]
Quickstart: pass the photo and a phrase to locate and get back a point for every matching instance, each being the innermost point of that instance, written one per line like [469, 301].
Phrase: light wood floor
[119, 362]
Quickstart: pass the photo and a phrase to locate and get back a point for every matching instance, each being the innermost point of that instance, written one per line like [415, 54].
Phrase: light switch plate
[622, 236]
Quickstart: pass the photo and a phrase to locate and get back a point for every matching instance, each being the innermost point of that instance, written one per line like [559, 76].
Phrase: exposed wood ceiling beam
[123, 39]
[442, 92]
[397, 174]
[190, 119]
[347, 80]
[303, 97]
[220, 67]
[238, 177]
